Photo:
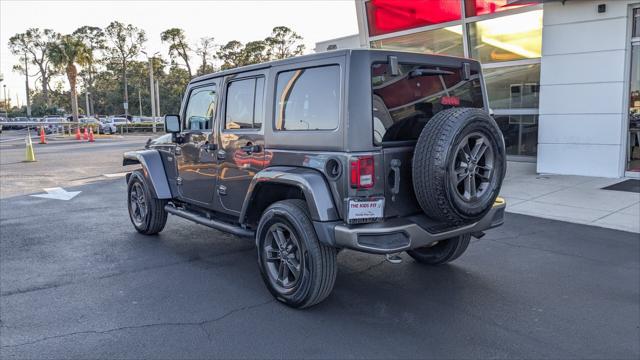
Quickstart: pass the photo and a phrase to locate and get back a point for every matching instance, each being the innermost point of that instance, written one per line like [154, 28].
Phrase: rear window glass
[404, 103]
[308, 99]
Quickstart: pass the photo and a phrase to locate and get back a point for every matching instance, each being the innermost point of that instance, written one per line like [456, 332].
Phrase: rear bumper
[400, 234]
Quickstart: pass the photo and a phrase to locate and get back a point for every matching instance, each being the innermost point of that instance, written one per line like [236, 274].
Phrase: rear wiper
[428, 72]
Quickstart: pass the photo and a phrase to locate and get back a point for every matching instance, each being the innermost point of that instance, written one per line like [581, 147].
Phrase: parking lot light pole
[158, 98]
[152, 94]
[140, 103]
[6, 104]
[86, 98]
[26, 81]
[152, 88]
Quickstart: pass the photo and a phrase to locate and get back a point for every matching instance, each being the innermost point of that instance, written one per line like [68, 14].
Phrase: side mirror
[172, 123]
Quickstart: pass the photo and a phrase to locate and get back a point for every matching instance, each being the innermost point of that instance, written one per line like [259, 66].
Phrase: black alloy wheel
[138, 204]
[283, 258]
[296, 267]
[472, 170]
[147, 213]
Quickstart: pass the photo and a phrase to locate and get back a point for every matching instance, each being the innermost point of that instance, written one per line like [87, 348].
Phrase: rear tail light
[362, 172]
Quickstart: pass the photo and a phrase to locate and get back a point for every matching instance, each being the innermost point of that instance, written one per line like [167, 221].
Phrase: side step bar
[218, 225]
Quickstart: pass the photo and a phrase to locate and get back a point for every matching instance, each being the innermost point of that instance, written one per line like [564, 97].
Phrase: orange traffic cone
[43, 137]
[85, 134]
[91, 139]
[78, 137]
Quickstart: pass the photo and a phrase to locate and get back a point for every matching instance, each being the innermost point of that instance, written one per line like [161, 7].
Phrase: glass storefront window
[520, 134]
[447, 41]
[386, 16]
[483, 7]
[513, 87]
[507, 38]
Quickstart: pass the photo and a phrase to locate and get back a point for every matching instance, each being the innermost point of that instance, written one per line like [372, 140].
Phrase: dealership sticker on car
[366, 209]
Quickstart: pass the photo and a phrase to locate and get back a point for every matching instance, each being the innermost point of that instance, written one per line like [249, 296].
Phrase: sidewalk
[577, 199]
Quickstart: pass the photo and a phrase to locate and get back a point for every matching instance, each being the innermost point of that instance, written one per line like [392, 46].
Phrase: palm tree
[65, 54]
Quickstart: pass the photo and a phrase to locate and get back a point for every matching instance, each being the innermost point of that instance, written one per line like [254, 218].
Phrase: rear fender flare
[311, 182]
[152, 170]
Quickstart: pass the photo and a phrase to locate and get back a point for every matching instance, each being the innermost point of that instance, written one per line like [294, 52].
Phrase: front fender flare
[152, 170]
[311, 182]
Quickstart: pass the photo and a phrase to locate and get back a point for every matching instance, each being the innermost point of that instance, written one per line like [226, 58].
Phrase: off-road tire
[443, 252]
[155, 217]
[318, 267]
[437, 151]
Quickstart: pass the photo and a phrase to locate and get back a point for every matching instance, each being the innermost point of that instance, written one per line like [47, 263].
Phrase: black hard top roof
[309, 57]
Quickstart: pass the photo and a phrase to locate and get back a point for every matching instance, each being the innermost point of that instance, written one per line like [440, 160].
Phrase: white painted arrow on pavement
[58, 193]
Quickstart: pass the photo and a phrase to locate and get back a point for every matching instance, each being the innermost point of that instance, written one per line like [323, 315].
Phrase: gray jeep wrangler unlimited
[369, 150]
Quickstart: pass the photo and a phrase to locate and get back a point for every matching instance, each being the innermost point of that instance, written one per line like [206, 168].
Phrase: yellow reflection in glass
[508, 38]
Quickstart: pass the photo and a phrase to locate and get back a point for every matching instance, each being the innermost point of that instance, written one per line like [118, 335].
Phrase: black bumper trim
[361, 237]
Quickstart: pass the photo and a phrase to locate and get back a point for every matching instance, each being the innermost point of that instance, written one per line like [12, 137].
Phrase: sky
[240, 20]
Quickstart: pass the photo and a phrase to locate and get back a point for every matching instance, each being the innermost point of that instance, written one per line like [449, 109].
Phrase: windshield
[404, 103]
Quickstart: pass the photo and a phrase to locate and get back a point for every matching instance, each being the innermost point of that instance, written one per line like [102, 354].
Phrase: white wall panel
[583, 10]
[583, 68]
[592, 98]
[579, 159]
[580, 129]
[582, 88]
[584, 36]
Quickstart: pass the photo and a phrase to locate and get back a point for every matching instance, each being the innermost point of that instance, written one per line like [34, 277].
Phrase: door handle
[249, 149]
[221, 154]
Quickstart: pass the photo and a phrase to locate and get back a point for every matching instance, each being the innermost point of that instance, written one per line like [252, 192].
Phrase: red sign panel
[386, 16]
[482, 7]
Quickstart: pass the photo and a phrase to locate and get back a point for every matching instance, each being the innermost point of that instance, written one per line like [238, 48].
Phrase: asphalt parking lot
[77, 281]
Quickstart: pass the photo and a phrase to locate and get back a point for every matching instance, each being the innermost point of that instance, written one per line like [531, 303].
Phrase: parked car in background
[53, 124]
[20, 119]
[111, 125]
[89, 120]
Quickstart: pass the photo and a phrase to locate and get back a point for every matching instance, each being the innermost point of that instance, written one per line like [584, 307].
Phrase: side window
[201, 108]
[244, 104]
[308, 99]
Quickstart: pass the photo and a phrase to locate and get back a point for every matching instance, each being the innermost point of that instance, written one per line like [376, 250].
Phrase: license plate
[366, 209]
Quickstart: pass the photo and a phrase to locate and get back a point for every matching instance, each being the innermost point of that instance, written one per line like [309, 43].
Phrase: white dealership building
[563, 77]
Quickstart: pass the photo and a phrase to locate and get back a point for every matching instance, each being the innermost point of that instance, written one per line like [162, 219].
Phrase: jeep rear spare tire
[458, 165]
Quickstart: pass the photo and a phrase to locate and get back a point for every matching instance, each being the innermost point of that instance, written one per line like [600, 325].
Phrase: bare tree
[205, 50]
[126, 42]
